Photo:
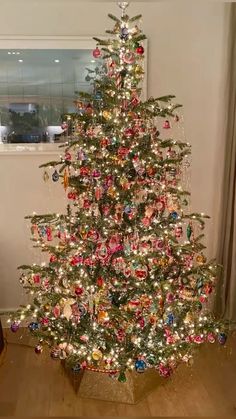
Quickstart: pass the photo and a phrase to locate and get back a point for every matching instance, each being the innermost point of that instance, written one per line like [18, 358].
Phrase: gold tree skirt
[98, 385]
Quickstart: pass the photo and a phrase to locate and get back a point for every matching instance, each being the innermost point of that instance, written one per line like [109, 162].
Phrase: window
[36, 88]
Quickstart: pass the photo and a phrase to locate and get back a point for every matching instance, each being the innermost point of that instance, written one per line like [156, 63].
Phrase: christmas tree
[126, 283]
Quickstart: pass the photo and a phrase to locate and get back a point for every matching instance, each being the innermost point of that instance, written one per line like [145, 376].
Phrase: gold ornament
[111, 192]
[103, 317]
[138, 69]
[65, 180]
[107, 115]
[200, 259]
[163, 262]
[188, 318]
[96, 354]
[45, 176]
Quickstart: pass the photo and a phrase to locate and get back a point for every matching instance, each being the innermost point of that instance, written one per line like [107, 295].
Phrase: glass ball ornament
[55, 176]
[96, 354]
[15, 327]
[170, 319]
[166, 125]
[122, 377]
[124, 34]
[33, 326]
[76, 368]
[140, 365]
[151, 359]
[96, 53]
[140, 50]
[222, 338]
[38, 349]
[174, 215]
[55, 353]
[98, 96]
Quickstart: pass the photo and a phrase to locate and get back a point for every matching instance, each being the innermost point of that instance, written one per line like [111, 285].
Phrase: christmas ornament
[107, 115]
[170, 319]
[165, 370]
[65, 180]
[178, 231]
[140, 365]
[33, 326]
[140, 50]
[211, 338]
[124, 33]
[64, 126]
[103, 316]
[38, 349]
[174, 215]
[96, 53]
[128, 58]
[15, 326]
[122, 377]
[55, 353]
[76, 368]
[55, 176]
[166, 125]
[200, 259]
[222, 337]
[189, 231]
[97, 354]
[79, 291]
[45, 176]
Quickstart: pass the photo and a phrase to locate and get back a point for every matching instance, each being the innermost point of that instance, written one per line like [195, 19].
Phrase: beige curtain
[226, 292]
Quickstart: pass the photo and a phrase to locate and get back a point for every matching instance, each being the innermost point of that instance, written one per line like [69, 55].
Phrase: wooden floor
[32, 385]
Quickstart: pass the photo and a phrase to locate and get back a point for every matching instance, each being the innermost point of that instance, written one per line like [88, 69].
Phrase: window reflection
[37, 87]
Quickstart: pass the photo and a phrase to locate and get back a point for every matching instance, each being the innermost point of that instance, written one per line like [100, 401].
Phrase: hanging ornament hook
[123, 6]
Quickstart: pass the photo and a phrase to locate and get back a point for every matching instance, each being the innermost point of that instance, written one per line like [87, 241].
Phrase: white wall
[187, 57]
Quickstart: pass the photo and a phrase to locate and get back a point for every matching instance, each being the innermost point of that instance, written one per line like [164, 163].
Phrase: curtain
[225, 304]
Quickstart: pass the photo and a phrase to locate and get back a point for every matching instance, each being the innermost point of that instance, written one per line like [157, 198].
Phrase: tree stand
[99, 385]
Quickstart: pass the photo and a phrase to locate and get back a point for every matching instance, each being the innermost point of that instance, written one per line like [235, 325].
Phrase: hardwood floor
[35, 385]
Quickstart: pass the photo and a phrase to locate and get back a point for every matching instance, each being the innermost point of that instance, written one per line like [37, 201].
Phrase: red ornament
[104, 142]
[100, 281]
[178, 231]
[93, 235]
[140, 50]
[135, 101]
[79, 290]
[84, 171]
[123, 151]
[129, 132]
[71, 195]
[89, 111]
[211, 337]
[96, 52]
[38, 349]
[44, 321]
[49, 234]
[165, 370]
[166, 125]
[141, 273]
[67, 156]
[36, 279]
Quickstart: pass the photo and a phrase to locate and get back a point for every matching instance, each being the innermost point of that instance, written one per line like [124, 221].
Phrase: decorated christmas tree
[125, 284]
